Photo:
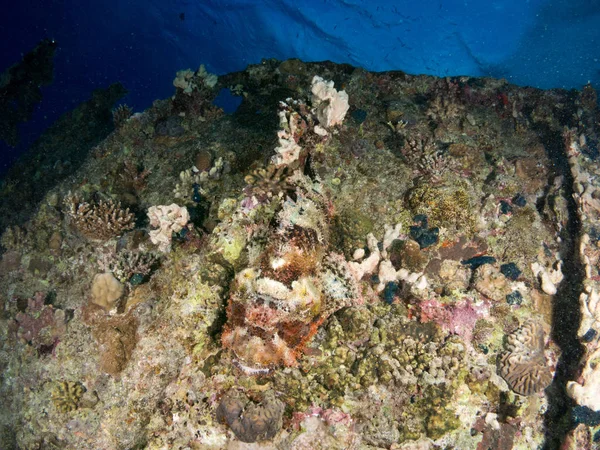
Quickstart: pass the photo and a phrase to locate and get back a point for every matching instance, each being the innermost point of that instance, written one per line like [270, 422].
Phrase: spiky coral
[100, 220]
[129, 263]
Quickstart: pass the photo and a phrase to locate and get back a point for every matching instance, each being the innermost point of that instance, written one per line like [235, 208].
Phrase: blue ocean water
[541, 43]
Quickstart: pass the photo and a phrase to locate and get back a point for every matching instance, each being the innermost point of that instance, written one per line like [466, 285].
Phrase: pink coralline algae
[331, 417]
[41, 325]
[458, 318]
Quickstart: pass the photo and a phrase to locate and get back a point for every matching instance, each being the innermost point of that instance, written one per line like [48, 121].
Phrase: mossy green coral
[444, 206]
[350, 228]
[523, 235]
[232, 243]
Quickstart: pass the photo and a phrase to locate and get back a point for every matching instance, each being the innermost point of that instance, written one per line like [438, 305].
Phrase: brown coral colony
[100, 220]
[523, 365]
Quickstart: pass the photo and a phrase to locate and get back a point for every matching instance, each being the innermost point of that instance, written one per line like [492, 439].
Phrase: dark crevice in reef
[566, 315]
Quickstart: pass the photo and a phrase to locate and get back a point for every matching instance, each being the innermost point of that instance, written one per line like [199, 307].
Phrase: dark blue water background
[542, 43]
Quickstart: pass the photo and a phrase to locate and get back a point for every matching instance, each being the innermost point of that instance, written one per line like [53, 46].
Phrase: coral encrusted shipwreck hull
[350, 260]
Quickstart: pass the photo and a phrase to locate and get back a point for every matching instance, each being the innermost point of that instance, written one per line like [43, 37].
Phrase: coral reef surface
[350, 260]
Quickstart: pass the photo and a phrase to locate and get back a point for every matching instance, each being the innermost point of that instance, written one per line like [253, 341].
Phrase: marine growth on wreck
[351, 260]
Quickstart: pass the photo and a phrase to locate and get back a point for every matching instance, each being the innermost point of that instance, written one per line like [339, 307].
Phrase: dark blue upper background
[142, 43]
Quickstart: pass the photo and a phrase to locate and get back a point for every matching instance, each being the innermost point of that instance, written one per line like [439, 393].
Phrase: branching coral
[378, 262]
[288, 150]
[129, 263]
[194, 183]
[266, 183]
[298, 129]
[100, 220]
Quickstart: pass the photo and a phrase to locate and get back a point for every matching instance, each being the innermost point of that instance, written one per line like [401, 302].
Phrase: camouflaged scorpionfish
[293, 284]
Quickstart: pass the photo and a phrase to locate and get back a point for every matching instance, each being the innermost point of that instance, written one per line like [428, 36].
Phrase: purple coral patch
[40, 325]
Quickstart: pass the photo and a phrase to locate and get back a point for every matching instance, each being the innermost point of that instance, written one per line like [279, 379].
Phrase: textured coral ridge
[524, 365]
[349, 261]
[293, 285]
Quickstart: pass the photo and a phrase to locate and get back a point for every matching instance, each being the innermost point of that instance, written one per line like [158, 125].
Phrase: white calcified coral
[209, 79]
[183, 80]
[168, 219]
[586, 390]
[378, 262]
[590, 311]
[390, 234]
[587, 393]
[585, 192]
[187, 80]
[330, 105]
[288, 150]
[368, 265]
[549, 278]
[203, 180]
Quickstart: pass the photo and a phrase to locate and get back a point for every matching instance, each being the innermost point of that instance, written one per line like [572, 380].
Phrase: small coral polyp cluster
[289, 288]
[66, 395]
